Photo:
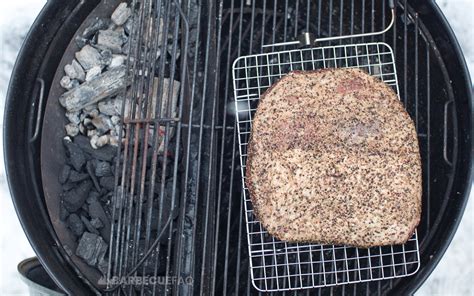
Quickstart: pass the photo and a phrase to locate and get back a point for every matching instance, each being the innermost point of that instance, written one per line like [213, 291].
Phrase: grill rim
[438, 25]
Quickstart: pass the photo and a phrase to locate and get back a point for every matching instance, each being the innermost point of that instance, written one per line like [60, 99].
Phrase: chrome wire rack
[277, 265]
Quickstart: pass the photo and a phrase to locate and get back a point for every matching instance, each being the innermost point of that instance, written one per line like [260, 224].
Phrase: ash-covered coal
[97, 79]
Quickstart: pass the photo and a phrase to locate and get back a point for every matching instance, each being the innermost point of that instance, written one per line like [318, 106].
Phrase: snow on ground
[15, 19]
[453, 276]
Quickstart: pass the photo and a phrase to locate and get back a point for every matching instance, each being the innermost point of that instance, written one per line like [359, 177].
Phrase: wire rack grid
[277, 265]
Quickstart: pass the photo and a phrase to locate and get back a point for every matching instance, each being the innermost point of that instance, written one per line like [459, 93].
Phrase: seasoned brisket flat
[334, 159]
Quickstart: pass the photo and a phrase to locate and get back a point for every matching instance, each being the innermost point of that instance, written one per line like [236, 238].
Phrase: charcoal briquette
[68, 186]
[90, 170]
[80, 41]
[97, 223]
[64, 174]
[75, 176]
[75, 198]
[108, 183]
[91, 248]
[75, 224]
[105, 153]
[75, 155]
[103, 169]
[93, 197]
[99, 24]
[106, 57]
[88, 225]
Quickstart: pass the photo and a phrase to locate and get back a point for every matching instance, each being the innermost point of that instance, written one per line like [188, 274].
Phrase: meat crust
[333, 158]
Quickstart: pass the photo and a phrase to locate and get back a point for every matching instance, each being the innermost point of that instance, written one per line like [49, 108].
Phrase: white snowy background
[453, 276]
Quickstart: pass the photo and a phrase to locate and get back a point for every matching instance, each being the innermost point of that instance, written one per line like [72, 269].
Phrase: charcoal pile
[88, 184]
[97, 97]
[95, 80]
[88, 188]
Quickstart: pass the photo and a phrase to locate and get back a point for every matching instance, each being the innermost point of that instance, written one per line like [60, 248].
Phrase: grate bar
[146, 127]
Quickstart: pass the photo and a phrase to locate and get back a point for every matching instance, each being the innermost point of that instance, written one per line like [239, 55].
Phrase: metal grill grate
[147, 178]
[277, 265]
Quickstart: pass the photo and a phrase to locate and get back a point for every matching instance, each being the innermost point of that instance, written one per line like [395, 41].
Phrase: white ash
[112, 40]
[99, 141]
[99, 24]
[115, 120]
[89, 108]
[92, 133]
[75, 71]
[72, 129]
[111, 106]
[114, 140]
[74, 117]
[106, 57]
[93, 73]
[89, 57]
[102, 123]
[117, 60]
[105, 85]
[121, 14]
[93, 112]
[96, 78]
[67, 83]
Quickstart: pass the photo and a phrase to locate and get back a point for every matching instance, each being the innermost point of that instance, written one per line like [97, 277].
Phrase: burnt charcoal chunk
[64, 174]
[77, 177]
[91, 248]
[75, 224]
[91, 171]
[99, 24]
[88, 225]
[107, 84]
[103, 169]
[121, 14]
[105, 153]
[108, 183]
[106, 57]
[93, 197]
[80, 41]
[75, 198]
[111, 39]
[96, 211]
[106, 198]
[68, 186]
[75, 154]
[97, 223]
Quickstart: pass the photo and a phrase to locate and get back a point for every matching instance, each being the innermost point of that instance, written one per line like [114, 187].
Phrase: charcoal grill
[205, 238]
